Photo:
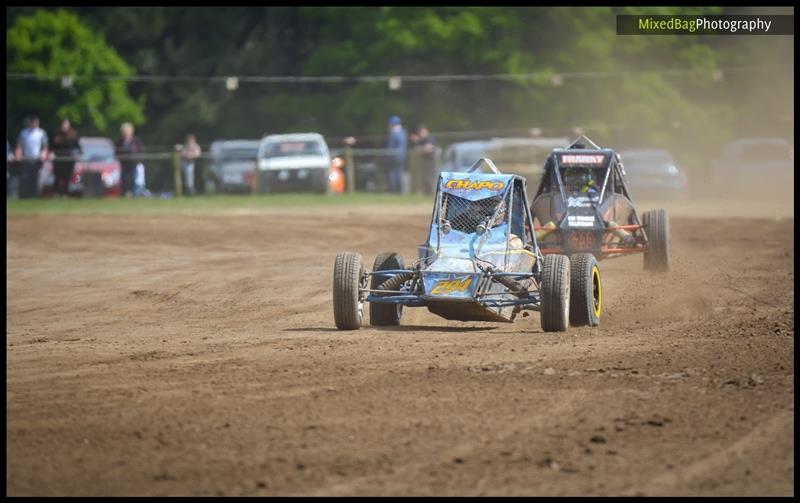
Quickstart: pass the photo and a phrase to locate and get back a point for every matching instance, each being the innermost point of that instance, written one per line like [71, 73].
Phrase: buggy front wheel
[554, 293]
[656, 257]
[348, 309]
[586, 291]
[385, 315]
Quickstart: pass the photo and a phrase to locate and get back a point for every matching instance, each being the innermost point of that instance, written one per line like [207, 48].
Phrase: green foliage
[613, 87]
[59, 43]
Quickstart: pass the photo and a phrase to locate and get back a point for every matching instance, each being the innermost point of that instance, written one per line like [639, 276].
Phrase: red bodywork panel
[585, 241]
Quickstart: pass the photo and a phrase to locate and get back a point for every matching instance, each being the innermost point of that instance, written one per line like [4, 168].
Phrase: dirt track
[183, 355]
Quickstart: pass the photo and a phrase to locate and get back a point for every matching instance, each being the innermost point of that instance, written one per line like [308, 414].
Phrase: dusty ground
[186, 355]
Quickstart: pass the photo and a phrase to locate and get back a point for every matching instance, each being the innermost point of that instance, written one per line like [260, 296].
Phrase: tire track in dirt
[196, 354]
[717, 464]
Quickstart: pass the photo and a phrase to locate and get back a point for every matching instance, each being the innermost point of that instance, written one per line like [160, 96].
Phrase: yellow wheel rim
[597, 291]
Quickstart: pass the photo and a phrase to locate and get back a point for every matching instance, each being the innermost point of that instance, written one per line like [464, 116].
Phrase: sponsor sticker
[474, 185]
[582, 159]
[580, 220]
[447, 286]
[578, 202]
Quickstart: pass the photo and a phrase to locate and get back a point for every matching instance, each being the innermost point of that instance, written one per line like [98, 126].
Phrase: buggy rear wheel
[554, 293]
[385, 315]
[586, 291]
[348, 310]
[657, 255]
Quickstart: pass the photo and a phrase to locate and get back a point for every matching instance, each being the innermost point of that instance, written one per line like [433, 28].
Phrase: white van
[293, 163]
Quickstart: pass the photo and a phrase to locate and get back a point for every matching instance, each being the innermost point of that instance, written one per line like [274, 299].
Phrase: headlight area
[110, 178]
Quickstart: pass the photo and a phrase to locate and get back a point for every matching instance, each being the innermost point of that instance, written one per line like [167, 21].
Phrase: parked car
[233, 164]
[98, 160]
[459, 157]
[520, 156]
[652, 172]
[298, 162]
[755, 166]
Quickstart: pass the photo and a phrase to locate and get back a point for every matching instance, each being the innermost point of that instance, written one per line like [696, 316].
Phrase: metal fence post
[415, 172]
[433, 181]
[351, 169]
[176, 171]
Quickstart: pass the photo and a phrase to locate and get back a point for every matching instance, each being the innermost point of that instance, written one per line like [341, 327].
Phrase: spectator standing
[31, 151]
[139, 184]
[9, 161]
[397, 143]
[425, 149]
[66, 147]
[190, 151]
[129, 146]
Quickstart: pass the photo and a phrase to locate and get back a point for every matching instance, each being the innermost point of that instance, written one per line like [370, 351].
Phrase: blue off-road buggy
[480, 262]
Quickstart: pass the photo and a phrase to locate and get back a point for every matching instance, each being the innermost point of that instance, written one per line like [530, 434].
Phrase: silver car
[654, 173]
[520, 156]
[459, 157]
[233, 164]
[298, 162]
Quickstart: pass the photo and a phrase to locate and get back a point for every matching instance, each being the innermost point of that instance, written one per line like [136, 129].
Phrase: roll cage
[577, 212]
[506, 273]
[509, 209]
[611, 167]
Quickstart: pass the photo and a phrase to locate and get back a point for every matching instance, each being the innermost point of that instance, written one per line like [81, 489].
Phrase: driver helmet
[587, 181]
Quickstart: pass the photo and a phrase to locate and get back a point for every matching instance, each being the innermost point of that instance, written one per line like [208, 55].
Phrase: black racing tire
[348, 310]
[657, 256]
[385, 315]
[586, 291]
[554, 293]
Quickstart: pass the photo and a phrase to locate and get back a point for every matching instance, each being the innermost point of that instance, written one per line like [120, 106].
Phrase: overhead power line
[556, 78]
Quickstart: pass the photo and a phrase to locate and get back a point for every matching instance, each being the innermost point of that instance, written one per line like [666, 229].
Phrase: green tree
[57, 43]
[614, 87]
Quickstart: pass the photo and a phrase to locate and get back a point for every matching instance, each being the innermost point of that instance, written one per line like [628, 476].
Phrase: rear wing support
[482, 161]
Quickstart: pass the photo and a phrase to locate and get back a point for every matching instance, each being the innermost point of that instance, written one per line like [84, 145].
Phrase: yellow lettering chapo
[474, 185]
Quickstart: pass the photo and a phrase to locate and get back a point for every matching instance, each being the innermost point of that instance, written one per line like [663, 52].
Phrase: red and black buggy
[583, 205]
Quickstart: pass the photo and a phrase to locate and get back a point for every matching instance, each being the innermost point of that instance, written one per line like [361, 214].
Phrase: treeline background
[620, 90]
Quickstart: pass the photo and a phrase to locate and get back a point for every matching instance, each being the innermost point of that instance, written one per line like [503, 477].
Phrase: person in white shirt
[190, 151]
[31, 151]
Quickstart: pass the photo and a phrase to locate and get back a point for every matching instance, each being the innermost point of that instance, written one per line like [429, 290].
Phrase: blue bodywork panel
[478, 258]
[455, 256]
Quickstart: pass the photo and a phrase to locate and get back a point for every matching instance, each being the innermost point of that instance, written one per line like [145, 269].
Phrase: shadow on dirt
[431, 328]
[402, 328]
[315, 329]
